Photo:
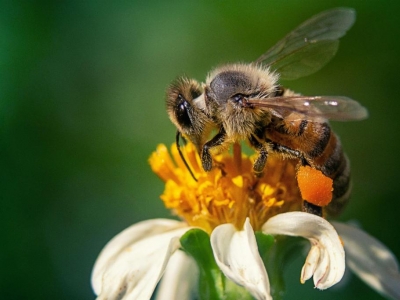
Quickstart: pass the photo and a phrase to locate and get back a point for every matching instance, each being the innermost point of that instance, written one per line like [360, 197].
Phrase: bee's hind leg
[307, 206]
[312, 208]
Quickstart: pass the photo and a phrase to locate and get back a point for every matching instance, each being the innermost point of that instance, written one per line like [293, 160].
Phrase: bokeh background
[82, 107]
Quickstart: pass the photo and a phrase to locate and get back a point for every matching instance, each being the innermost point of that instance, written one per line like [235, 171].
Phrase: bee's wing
[316, 108]
[310, 46]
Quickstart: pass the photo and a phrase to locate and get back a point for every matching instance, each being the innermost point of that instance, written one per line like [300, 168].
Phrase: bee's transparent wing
[314, 108]
[310, 46]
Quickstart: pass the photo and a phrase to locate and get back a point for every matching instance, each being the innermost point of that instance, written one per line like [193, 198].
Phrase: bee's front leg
[261, 160]
[206, 158]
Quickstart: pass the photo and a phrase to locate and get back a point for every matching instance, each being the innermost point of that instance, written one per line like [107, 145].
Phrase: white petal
[370, 260]
[311, 264]
[326, 260]
[237, 256]
[180, 279]
[132, 263]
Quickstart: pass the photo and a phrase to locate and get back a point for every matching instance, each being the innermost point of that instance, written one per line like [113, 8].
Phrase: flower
[230, 203]
[230, 193]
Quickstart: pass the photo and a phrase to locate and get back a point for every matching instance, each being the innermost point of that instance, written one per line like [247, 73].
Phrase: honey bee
[246, 102]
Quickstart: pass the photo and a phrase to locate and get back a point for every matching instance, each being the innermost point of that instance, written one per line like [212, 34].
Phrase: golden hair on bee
[227, 86]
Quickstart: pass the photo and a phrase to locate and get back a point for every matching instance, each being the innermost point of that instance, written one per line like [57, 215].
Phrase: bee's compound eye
[181, 110]
[182, 114]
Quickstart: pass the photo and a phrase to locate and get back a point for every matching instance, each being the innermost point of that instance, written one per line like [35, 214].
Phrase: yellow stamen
[230, 192]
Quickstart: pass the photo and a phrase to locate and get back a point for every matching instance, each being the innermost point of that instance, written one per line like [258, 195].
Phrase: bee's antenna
[178, 135]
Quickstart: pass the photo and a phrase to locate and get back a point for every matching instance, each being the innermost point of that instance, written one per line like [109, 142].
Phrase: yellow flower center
[230, 192]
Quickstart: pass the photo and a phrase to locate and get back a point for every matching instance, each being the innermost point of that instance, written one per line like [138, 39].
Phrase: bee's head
[179, 102]
[185, 108]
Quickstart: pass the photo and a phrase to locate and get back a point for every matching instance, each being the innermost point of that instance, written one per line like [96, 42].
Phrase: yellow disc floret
[230, 192]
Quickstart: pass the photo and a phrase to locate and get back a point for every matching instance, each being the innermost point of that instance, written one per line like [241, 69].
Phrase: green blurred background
[82, 107]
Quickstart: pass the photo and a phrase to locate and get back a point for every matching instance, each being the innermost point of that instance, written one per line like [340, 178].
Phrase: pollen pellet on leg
[314, 186]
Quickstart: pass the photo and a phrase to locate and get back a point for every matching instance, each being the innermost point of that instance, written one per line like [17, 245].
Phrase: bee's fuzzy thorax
[261, 76]
[239, 80]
